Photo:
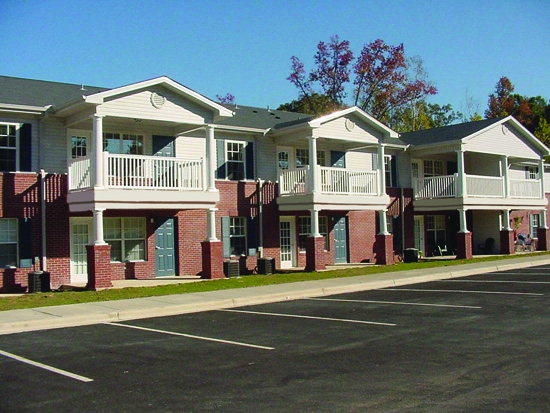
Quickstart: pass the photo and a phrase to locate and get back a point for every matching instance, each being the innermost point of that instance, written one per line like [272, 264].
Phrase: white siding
[266, 159]
[502, 140]
[547, 182]
[53, 146]
[361, 132]
[191, 147]
[481, 164]
[360, 160]
[138, 105]
[404, 170]
[485, 225]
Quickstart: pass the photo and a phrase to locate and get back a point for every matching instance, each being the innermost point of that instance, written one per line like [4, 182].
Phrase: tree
[384, 80]
[228, 99]
[501, 102]
[423, 115]
[314, 104]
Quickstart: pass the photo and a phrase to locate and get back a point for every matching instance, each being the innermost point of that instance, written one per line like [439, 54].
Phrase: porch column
[316, 257]
[463, 238]
[211, 225]
[461, 187]
[462, 218]
[384, 254]
[210, 159]
[506, 234]
[314, 223]
[97, 156]
[313, 163]
[98, 227]
[383, 220]
[504, 163]
[541, 177]
[381, 170]
[506, 220]
[212, 249]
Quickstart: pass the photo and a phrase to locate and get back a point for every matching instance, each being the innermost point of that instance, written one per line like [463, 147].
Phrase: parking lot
[475, 344]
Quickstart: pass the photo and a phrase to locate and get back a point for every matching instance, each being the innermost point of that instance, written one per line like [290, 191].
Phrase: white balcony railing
[140, 172]
[331, 181]
[476, 186]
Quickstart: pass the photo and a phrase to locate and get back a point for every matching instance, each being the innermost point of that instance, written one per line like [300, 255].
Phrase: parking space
[478, 343]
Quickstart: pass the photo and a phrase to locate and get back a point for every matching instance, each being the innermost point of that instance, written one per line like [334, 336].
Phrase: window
[304, 231]
[321, 158]
[302, 158]
[8, 242]
[283, 160]
[126, 236]
[8, 147]
[123, 143]
[435, 228]
[433, 168]
[237, 236]
[390, 168]
[78, 146]
[235, 160]
[531, 172]
[534, 225]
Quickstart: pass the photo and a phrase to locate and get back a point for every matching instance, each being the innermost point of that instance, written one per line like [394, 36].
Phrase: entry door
[81, 232]
[165, 259]
[287, 236]
[340, 241]
[163, 146]
[419, 233]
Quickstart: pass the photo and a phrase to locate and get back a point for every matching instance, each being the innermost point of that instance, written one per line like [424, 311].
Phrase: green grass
[74, 297]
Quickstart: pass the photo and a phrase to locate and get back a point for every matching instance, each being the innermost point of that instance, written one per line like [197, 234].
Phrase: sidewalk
[42, 318]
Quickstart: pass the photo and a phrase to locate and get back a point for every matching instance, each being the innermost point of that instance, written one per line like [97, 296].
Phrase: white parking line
[45, 367]
[311, 317]
[496, 281]
[396, 303]
[522, 272]
[217, 340]
[462, 291]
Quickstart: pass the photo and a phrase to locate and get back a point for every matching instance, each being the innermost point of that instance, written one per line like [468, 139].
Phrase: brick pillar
[315, 254]
[464, 245]
[384, 249]
[212, 259]
[99, 266]
[543, 241]
[507, 245]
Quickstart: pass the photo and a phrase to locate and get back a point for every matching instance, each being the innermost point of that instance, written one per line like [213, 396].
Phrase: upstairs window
[390, 168]
[123, 143]
[235, 160]
[531, 172]
[8, 147]
[302, 158]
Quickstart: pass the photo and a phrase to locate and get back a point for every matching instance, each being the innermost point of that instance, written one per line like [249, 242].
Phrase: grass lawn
[75, 297]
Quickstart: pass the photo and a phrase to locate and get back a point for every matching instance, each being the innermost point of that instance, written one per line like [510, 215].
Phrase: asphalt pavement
[15, 321]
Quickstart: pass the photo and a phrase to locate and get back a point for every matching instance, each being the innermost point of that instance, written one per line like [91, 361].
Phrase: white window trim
[123, 239]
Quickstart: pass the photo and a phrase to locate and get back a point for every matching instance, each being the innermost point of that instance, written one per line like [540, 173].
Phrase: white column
[504, 163]
[313, 163]
[461, 187]
[383, 222]
[211, 225]
[381, 170]
[314, 223]
[462, 218]
[210, 159]
[541, 177]
[97, 144]
[98, 227]
[506, 220]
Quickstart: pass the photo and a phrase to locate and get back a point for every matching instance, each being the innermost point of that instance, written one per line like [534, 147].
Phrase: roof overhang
[26, 109]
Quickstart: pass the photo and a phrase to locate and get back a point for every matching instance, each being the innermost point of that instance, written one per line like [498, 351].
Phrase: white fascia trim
[239, 129]
[99, 98]
[315, 123]
[33, 110]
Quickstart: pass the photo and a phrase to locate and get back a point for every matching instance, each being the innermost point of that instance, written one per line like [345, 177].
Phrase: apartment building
[154, 179]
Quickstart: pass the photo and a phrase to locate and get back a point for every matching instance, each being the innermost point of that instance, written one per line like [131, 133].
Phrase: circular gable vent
[157, 100]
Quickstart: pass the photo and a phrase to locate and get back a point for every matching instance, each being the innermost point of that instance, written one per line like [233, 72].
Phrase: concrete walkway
[15, 321]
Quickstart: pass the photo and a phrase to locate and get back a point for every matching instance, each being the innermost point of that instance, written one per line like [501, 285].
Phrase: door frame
[75, 277]
[292, 238]
[346, 243]
[421, 235]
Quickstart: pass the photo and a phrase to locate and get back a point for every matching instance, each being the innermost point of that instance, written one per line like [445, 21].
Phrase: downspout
[43, 258]
[260, 219]
[402, 208]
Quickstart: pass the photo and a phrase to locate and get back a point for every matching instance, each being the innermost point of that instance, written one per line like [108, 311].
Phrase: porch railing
[140, 172]
[476, 186]
[331, 181]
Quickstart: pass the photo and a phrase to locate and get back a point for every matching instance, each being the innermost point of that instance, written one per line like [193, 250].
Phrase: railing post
[461, 190]
[313, 163]
[541, 177]
[97, 144]
[505, 175]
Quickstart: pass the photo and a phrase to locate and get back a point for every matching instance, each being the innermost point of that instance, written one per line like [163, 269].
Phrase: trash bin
[410, 255]
[231, 268]
[39, 281]
[266, 265]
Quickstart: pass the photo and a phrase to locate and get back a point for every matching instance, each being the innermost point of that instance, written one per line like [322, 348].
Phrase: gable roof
[30, 92]
[447, 134]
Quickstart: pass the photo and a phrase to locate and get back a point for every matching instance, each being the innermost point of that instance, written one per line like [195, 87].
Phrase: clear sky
[244, 47]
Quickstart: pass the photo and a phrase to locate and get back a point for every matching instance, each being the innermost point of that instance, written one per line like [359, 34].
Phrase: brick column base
[507, 245]
[543, 239]
[315, 254]
[212, 259]
[99, 266]
[464, 246]
[384, 250]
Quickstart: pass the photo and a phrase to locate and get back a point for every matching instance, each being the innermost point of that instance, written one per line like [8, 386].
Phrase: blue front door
[340, 240]
[165, 259]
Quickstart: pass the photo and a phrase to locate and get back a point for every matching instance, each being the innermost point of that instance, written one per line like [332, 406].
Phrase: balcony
[138, 182]
[338, 189]
[490, 191]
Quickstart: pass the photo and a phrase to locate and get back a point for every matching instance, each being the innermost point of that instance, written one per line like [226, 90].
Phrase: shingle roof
[262, 118]
[30, 92]
[446, 133]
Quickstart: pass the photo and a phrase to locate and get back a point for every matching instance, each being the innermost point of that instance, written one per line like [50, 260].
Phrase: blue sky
[244, 47]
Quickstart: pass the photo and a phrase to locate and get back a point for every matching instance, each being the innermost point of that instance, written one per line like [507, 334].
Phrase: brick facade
[507, 242]
[464, 245]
